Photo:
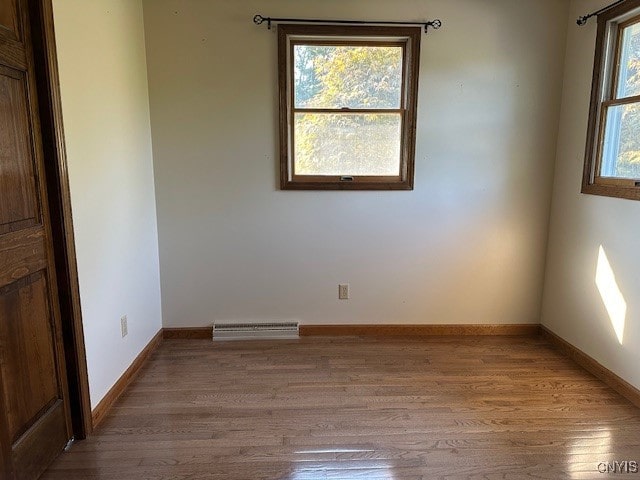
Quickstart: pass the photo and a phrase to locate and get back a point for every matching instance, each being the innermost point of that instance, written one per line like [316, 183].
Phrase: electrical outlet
[124, 329]
[343, 291]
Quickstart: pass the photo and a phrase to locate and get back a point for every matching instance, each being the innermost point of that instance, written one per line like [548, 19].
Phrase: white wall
[103, 78]
[580, 224]
[466, 246]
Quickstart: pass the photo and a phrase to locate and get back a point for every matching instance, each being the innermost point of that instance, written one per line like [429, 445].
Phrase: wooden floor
[359, 408]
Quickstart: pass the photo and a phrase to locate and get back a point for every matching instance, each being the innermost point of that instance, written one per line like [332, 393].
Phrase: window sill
[617, 191]
[302, 185]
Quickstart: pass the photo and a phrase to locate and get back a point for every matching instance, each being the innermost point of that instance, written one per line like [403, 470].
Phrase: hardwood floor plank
[359, 408]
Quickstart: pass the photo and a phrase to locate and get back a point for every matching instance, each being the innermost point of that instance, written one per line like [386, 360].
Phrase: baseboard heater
[249, 331]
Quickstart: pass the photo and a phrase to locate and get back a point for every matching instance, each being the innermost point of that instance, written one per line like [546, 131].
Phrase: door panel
[25, 321]
[8, 18]
[18, 208]
[21, 253]
[34, 409]
[33, 453]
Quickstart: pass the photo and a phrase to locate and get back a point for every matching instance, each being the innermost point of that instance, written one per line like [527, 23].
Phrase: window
[347, 106]
[612, 165]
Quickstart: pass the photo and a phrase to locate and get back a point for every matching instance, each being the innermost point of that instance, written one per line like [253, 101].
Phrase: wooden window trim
[322, 34]
[606, 73]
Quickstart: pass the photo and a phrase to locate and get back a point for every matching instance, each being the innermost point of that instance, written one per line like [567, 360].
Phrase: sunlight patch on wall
[611, 295]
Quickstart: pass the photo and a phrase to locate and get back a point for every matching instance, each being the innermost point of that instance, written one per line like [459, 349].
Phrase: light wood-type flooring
[352, 408]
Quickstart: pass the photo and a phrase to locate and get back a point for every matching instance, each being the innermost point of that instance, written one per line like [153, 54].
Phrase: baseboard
[591, 365]
[101, 410]
[193, 333]
[204, 333]
[420, 330]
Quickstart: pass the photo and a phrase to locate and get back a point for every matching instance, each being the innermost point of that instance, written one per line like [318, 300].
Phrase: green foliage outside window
[347, 77]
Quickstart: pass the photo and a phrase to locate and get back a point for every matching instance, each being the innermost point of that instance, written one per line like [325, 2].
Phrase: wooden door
[34, 412]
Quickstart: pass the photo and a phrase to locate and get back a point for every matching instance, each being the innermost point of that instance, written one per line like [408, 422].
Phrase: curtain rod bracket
[259, 20]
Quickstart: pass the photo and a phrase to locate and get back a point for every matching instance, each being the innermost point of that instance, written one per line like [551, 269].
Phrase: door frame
[59, 198]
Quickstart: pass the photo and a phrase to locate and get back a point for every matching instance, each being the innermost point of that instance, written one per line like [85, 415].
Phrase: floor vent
[248, 331]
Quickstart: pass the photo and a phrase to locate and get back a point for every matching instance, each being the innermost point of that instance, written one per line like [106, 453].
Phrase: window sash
[293, 110]
[617, 57]
[599, 178]
[355, 42]
[353, 178]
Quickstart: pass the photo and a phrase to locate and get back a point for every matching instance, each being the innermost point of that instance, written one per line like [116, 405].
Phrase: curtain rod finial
[582, 20]
[435, 24]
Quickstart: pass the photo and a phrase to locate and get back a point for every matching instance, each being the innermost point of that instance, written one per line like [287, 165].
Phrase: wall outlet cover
[343, 291]
[124, 328]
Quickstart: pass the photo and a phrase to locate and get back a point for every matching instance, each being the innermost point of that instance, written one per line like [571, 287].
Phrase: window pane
[629, 81]
[621, 148]
[347, 144]
[352, 76]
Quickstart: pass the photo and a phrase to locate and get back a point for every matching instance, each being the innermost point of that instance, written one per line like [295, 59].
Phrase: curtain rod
[585, 18]
[259, 20]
